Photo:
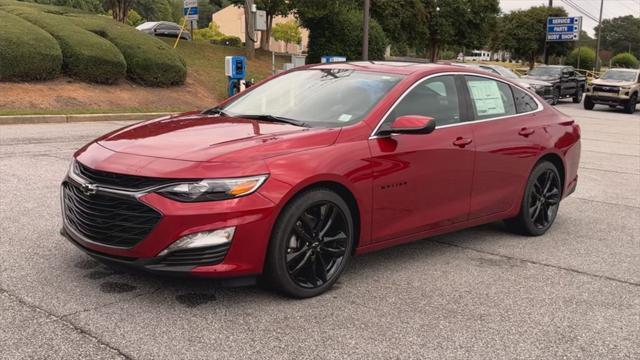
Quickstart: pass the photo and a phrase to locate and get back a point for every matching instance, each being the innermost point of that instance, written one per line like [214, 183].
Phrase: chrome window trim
[488, 76]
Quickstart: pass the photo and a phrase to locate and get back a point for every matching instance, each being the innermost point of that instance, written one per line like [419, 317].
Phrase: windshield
[545, 71]
[317, 97]
[618, 75]
[145, 26]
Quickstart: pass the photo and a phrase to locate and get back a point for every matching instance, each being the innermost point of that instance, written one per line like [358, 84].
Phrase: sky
[611, 9]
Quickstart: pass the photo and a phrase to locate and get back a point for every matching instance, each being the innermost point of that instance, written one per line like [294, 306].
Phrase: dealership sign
[564, 28]
[190, 9]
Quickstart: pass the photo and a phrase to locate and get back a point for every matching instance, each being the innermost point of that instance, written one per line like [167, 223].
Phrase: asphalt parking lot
[478, 293]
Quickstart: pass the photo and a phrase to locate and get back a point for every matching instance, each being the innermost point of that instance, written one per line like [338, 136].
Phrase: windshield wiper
[216, 111]
[273, 118]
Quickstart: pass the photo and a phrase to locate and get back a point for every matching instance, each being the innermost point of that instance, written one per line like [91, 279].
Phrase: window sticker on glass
[344, 117]
[486, 97]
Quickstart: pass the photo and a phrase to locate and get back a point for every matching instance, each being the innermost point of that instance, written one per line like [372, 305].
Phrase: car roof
[392, 67]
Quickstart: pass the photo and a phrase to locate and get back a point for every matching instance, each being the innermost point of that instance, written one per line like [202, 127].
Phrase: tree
[289, 32]
[272, 8]
[587, 58]
[403, 22]
[465, 23]
[621, 34]
[134, 19]
[119, 9]
[526, 33]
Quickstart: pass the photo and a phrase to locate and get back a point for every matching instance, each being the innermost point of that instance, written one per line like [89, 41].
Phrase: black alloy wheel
[630, 107]
[588, 103]
[540, 203]
[311, 244]
[578, 97]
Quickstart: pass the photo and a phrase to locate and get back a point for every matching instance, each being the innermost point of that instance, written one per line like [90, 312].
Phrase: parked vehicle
[616, 87]
[542, 88]
[290, 178]
[566, 82]
[164, 28]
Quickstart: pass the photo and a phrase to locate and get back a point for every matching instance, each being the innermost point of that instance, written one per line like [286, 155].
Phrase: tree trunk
[249, 34]
[532, 61]
[434, 51]
[266, 35]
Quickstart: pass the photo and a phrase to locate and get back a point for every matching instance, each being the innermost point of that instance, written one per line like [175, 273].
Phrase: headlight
[215, 189]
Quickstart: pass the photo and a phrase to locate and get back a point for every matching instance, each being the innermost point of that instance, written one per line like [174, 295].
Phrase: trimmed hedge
[86, 56]
[150, 61]
[587, 58]
[26, 51]
[625, 60]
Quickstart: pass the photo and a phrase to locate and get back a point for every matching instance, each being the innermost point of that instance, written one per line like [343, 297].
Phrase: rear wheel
[588, 103]
[630, 107]
[540, 202]
[578, 97]
[311, 244]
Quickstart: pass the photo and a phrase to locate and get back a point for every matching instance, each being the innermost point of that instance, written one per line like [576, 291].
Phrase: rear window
[524, 102]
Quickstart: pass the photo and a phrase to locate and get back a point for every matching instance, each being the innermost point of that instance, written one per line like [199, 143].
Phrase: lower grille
[200, 256]
[106, 219]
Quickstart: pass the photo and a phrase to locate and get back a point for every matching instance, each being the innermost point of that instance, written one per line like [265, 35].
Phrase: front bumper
[608, 99]
[545, 92]
[252, 216]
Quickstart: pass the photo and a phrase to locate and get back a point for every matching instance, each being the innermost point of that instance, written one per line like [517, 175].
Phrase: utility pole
[365, 31]
[545, 56]
[599, 36]
[249, 40]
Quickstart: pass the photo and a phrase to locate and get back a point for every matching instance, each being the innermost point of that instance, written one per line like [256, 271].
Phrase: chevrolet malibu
[291, 178]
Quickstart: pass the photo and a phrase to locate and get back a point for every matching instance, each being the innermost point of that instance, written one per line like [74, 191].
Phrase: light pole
[599, 36]
[249, 41]
[365, 31]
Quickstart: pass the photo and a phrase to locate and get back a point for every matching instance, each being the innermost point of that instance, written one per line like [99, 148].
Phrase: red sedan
[292, 177]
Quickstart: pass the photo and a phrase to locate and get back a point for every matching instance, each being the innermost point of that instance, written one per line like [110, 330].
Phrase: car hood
[199, 137]
[542, 78]
[530, 81]
[612, 82]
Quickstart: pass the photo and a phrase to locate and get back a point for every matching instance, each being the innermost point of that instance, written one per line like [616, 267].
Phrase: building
[230, 21]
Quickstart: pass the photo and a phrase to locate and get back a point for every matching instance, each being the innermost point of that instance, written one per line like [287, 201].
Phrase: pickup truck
[616, 87]
[566, 82]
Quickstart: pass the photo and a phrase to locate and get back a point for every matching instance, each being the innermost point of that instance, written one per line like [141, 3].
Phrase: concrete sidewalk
[50, 119]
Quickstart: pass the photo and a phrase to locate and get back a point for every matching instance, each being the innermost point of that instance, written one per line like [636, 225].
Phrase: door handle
[526, 132]
[462, 142]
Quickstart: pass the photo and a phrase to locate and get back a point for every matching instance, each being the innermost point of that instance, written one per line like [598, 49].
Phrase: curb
[57, 119]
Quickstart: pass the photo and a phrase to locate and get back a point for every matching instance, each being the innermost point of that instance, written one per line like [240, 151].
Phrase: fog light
[201, 239]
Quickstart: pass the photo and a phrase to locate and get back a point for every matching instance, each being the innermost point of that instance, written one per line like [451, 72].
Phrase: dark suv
[565, 80]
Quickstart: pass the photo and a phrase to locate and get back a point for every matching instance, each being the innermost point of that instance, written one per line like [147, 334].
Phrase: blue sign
[192, 11]
[564, 28]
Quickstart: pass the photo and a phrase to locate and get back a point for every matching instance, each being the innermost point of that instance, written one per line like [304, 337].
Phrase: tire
[630, 106]
[578, 97]
[310, 245]
[540, 202]
[588, 103]
[556, 96]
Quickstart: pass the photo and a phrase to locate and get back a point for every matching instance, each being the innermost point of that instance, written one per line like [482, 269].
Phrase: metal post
[365, 31]
[273, 62]
[579, 52]
[545, 56]
[598, 40]
[249, 46]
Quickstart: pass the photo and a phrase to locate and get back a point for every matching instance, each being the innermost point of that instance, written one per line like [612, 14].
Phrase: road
[479, 293]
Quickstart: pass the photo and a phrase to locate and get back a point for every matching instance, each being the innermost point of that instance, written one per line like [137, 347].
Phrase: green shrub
[341, 34]
[626, 60]
[86, 56]
[150, 61]
[229, 40]
[587, 58]
[26, 51]
[134, 19]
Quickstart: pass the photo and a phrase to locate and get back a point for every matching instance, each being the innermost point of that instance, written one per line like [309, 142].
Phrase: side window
[524, 101]
[490, 98]
[436, 97]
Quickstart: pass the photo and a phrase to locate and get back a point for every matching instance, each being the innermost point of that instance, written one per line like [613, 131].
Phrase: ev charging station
[235, 68]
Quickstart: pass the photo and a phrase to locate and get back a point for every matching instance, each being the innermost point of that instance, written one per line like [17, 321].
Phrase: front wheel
[311, 244]
[588, 103]
[578, 96]
[540, 202]
[556, 96]
[630, 107]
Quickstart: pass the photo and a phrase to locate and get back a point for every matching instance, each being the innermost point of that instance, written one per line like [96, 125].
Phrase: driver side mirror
[410, 124]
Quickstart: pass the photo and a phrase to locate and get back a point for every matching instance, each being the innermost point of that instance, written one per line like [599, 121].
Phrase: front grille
[607, 89]
[109, 179]
[106, 219]
[201, 256]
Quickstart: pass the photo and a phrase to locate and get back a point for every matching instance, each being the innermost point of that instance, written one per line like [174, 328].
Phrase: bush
[150, 61]
[134, 19]
[212, 32]
[625, 60]
[85, 55]
[229, 40]
[26, 51]
[587, 58]
[341, 34]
